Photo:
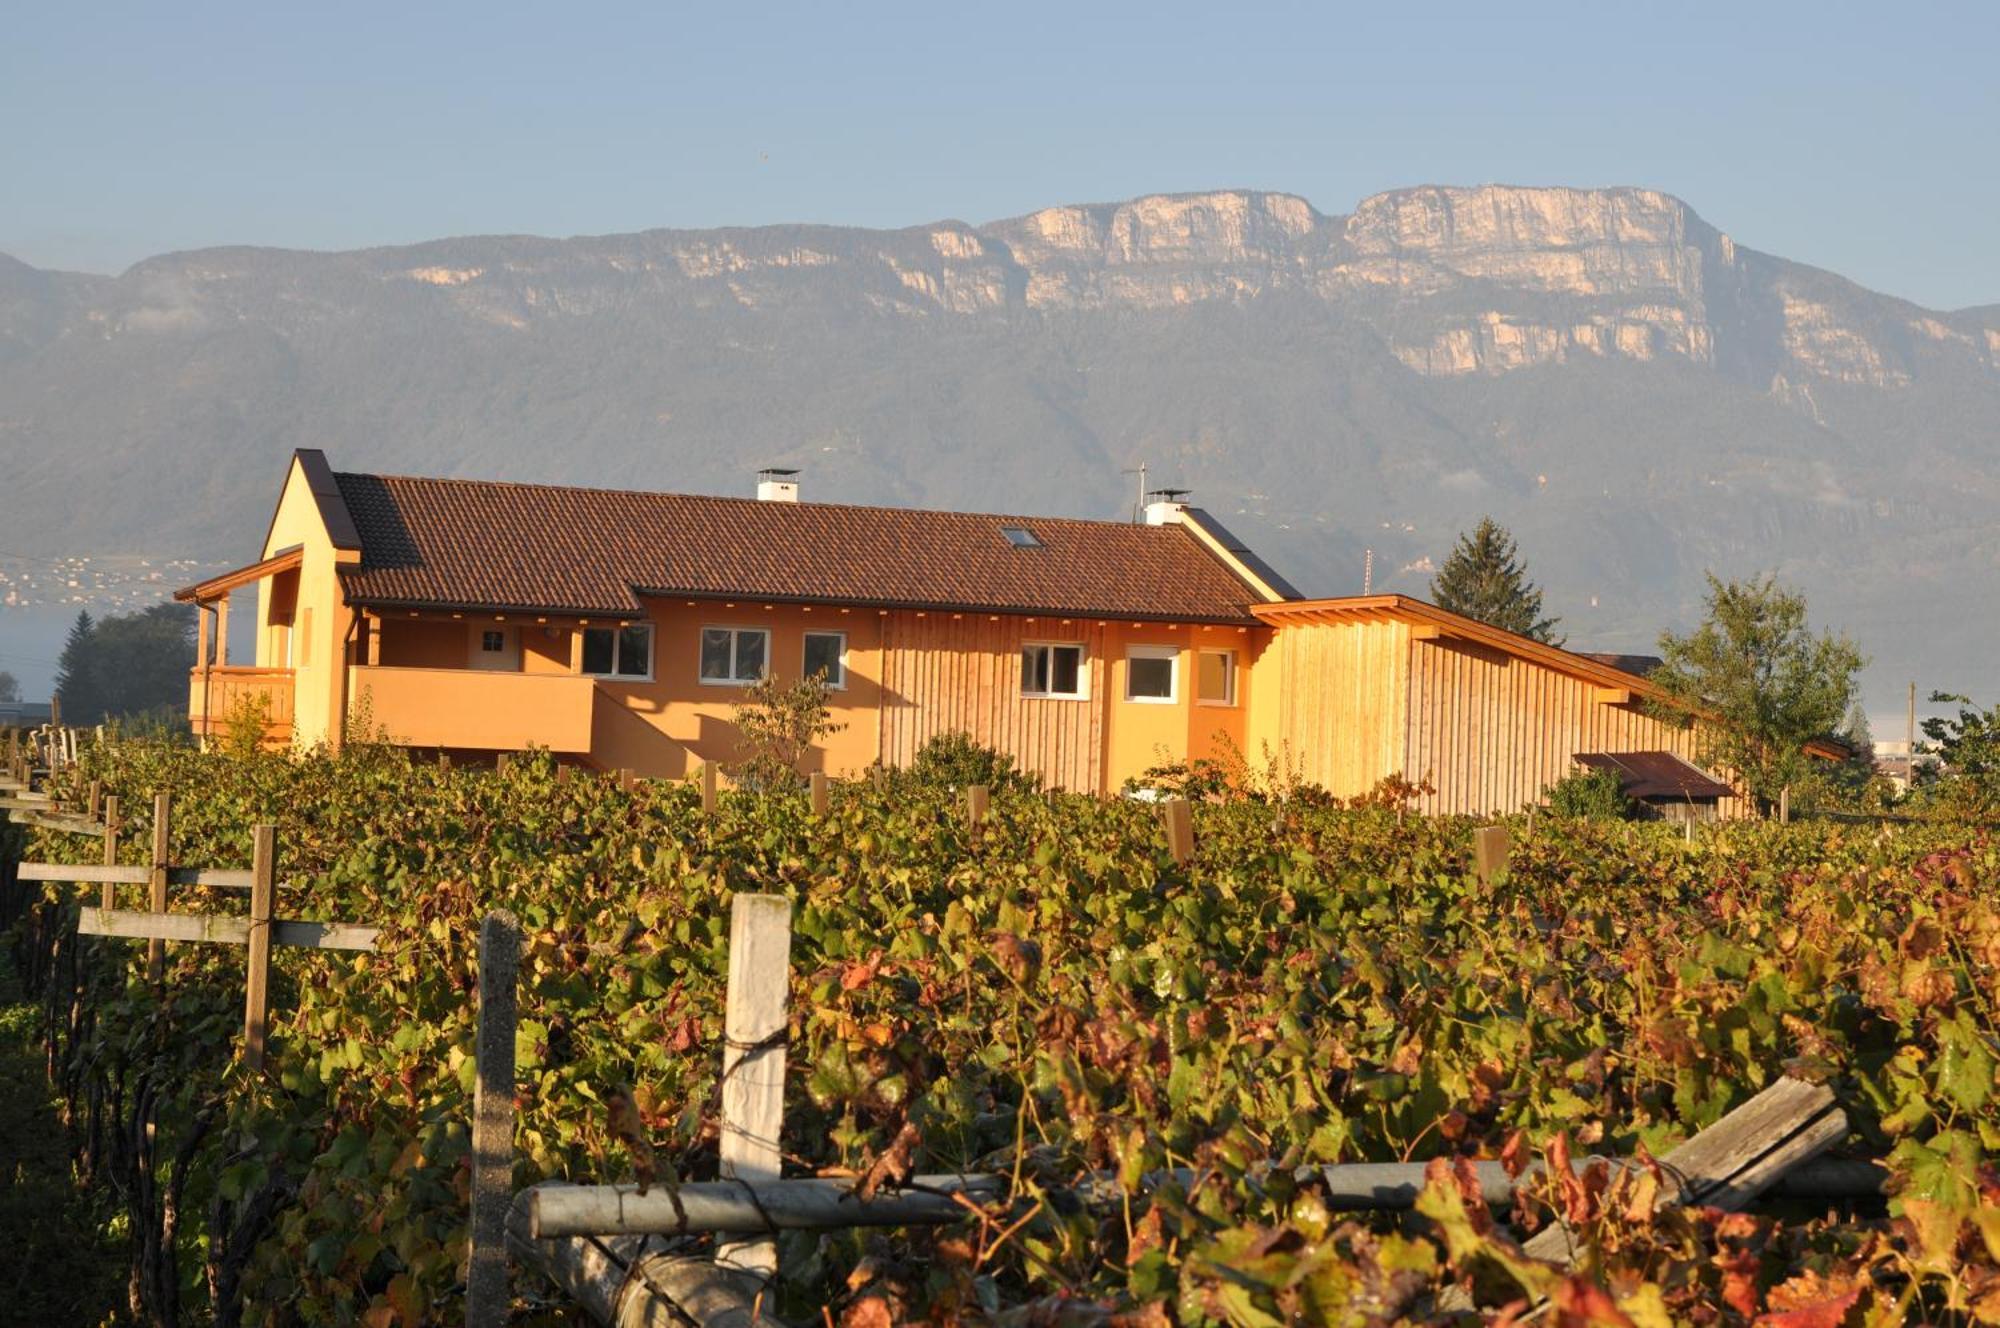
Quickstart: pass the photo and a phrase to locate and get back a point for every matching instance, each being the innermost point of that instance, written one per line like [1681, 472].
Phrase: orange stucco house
[618, 629]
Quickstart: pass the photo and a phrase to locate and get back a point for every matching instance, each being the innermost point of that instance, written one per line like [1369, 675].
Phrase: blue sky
[1859, 139]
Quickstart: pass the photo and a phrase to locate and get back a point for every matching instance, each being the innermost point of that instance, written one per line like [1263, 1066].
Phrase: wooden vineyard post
[753, 1058]
[816, 788]
[1489, 851]
[708, 788]
[257, 985]
[486, 1293]
[501, 762]
[110, 891]
[1785, 805]
[156, 900]
[625, 780]
[977, 798]
[1179, 820]
[96, 801]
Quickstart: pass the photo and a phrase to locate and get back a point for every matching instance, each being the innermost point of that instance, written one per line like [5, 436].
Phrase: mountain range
[1638, 397]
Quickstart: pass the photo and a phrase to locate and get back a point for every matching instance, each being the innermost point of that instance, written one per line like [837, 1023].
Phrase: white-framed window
[1151, 674]
[1215, 677]
[826, 653]
[1053, 669]
[734, 656]
[619, 652]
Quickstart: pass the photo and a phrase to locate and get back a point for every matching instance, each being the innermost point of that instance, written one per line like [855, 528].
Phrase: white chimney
[1165, 507]
[777, 486]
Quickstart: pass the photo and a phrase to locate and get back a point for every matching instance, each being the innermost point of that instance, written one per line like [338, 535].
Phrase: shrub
[780, 722]
[956, 760]
[1591, 795]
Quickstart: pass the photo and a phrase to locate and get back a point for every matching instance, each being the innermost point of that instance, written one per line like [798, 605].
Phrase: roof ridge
[738, 500]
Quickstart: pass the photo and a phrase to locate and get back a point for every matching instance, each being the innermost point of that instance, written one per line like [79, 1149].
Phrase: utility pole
[1910, 736]
[1368, 572]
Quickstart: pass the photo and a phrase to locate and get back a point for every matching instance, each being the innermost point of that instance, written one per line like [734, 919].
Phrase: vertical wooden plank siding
[1491, 731]
[1362, 700]
[1344, 697]
[942, 673]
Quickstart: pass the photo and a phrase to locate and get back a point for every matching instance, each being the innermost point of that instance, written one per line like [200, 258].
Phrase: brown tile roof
[476, 544]
[1656, 775]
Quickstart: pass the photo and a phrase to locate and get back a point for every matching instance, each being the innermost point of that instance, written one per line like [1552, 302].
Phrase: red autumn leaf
[1581, 1304]
[1828, 1313]
[1514, 1154]
[856, 976]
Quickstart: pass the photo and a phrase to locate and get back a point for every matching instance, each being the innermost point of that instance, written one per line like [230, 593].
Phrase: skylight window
[1021, 537]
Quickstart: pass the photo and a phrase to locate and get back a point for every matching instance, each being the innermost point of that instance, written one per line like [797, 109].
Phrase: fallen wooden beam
[1734, 1160]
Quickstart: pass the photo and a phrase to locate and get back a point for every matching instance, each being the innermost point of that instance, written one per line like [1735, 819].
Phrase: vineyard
[1045, 995]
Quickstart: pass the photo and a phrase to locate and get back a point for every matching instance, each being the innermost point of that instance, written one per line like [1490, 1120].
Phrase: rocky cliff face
[1639, 396]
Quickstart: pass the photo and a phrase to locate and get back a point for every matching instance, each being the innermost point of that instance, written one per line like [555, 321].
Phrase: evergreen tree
[1485, 579]
[76, 673]
[128, 664]
[10, 686]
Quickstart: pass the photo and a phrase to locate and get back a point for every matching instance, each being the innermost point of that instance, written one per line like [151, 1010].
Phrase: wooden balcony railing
[220, 693]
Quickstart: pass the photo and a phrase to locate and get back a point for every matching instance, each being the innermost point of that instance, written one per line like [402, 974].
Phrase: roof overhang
[642, 593]
[1429, 622]
[216, 587]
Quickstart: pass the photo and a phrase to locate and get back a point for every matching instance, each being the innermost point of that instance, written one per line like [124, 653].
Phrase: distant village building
[618, 629]
[25, 714]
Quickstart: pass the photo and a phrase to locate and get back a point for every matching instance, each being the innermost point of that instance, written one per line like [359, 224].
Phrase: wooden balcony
[221, 692]
[474, 708]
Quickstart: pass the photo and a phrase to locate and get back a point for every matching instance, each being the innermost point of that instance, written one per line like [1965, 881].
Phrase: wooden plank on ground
[753, 1058]
[1728, 1164]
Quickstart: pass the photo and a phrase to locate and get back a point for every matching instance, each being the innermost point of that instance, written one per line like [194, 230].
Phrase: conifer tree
[1485, 579]
[76, 672]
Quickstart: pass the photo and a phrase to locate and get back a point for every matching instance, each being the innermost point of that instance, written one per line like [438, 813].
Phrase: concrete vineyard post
[1489, 851]
[1179, 819]
[257, 985]
[486, 1293]
[753, 1058]
[156, 900]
